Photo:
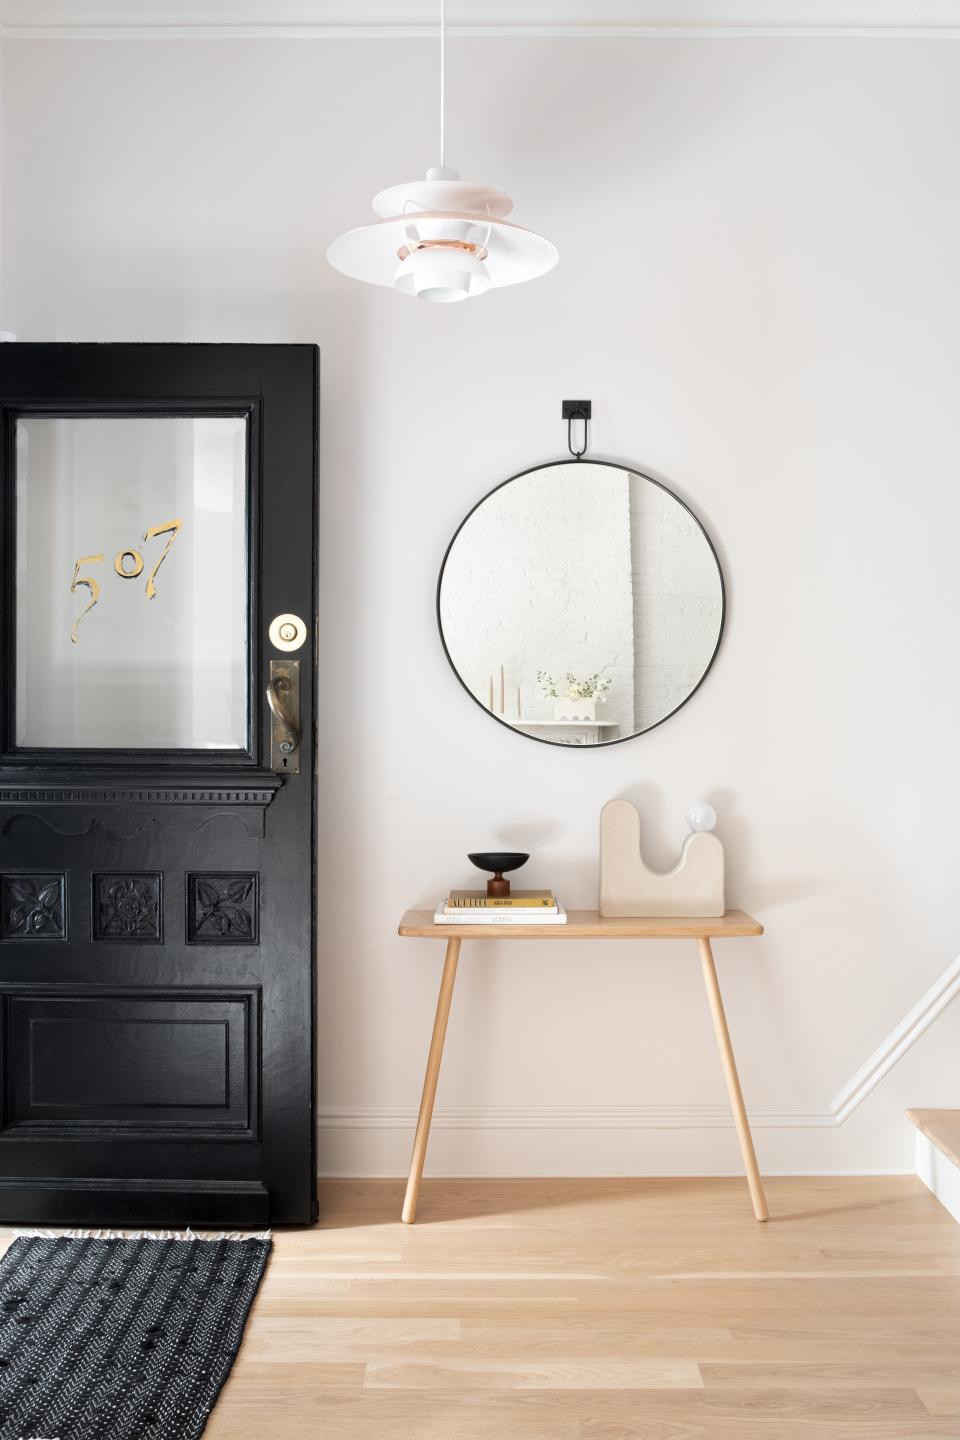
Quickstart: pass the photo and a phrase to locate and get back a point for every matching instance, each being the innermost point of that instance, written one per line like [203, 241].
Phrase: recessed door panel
[145, 1062]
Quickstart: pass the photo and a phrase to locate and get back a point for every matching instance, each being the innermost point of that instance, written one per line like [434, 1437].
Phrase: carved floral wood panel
[32, 907]
[127, 907]
[222, 909]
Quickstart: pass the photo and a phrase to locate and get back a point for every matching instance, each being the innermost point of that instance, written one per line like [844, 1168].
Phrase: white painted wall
[759, 290]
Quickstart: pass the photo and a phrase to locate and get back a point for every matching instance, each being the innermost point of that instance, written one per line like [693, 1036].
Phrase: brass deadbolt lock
[287, 632]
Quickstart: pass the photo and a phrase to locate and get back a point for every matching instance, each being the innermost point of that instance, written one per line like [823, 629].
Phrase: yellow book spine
[462, 901]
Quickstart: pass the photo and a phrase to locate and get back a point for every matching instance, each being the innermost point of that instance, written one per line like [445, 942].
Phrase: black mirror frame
[613, 465]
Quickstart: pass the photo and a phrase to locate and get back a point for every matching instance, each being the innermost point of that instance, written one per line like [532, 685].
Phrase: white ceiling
[57, 18]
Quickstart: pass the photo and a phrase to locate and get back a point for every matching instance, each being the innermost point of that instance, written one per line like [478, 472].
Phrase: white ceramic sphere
[701, 816]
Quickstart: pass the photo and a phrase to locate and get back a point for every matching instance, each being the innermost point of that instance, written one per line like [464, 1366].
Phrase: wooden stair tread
[942, 1128]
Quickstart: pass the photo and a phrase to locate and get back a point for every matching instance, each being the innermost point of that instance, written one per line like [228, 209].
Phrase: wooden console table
[583, 925]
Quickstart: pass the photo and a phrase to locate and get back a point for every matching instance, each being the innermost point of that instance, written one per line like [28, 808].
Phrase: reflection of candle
[490, 703]
[518, 702]
[503, 703]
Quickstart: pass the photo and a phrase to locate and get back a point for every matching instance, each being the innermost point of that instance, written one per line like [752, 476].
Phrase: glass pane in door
[131, 574]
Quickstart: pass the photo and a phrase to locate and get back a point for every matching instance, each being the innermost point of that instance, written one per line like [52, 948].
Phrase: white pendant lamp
[441, 238]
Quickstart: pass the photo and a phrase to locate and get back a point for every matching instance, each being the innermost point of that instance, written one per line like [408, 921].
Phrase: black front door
[157, 815]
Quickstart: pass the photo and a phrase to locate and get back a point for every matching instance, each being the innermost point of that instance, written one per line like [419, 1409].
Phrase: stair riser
[939, 1174]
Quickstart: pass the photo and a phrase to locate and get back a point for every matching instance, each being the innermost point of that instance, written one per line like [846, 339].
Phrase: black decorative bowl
[498, 861]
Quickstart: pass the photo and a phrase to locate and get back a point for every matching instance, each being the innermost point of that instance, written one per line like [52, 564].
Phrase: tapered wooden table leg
[430, 1079]
[733, 1083]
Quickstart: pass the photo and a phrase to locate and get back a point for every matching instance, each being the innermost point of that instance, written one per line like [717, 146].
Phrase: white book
[499, 917]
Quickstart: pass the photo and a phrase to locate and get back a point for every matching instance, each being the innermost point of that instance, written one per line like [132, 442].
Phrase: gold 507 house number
[128, 564]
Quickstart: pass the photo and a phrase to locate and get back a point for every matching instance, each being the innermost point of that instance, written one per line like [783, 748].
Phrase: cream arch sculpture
[629, 888]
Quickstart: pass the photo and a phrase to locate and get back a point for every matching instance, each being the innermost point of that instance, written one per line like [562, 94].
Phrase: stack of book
[522, 907]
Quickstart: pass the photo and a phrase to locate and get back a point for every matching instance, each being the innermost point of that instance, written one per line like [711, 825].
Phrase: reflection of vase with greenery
[574, 697]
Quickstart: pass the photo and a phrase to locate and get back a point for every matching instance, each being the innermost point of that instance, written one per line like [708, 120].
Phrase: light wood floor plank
[941, 1399]
[568, 1373]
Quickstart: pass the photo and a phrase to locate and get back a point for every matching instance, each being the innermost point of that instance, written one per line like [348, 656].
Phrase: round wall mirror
[581, 603]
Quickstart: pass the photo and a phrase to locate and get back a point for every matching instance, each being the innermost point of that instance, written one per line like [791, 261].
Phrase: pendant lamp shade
[442, 239]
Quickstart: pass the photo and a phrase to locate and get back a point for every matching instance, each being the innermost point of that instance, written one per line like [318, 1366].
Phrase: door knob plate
[283, 698]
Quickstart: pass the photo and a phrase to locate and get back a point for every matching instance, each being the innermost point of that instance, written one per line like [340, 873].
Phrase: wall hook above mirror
[571, 410]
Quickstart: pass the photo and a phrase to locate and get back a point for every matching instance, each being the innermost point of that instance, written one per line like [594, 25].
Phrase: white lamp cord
[443, 80]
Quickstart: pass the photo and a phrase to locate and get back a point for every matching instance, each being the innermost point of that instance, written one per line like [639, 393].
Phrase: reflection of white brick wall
[539, 579]
[677, 601]
[580, 568]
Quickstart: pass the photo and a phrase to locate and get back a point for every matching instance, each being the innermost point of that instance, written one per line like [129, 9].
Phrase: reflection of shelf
[566, 724]
[571, 732]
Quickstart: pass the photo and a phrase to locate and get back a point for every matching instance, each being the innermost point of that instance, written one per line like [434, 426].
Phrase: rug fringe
[187, 1234]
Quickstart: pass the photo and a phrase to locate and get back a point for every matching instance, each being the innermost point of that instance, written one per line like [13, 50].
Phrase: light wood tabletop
[588, 925]
[584, 925]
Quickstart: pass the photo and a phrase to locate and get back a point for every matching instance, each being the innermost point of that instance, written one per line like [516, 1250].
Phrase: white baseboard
[576, 1144]
[579, 1117]
[796, 1172]
[939, 1174]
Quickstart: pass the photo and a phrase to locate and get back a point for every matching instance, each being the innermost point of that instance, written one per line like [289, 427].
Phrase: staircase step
[942, 1127]
[938, 1154]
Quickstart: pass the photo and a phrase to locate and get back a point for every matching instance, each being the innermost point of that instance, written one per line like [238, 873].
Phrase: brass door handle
[288, 734]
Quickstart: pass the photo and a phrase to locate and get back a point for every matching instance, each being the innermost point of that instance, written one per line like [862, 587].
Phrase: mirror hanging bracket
[577, 410]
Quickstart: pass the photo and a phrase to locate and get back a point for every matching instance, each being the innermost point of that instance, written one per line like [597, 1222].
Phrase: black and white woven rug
[120, 1338]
